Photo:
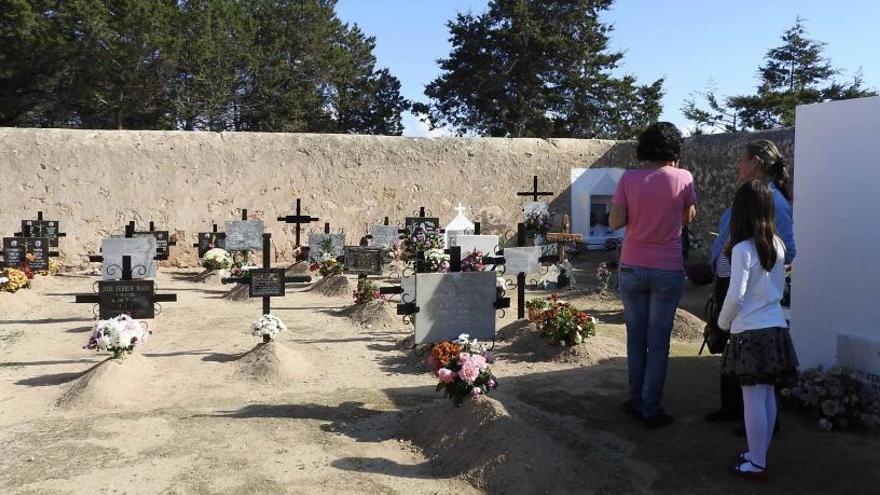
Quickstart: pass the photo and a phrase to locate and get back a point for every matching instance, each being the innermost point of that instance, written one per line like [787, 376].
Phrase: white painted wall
[836, 275]
[585, 183]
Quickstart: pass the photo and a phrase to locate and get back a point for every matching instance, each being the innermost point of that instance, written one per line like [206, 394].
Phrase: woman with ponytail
[760, 352]
[761, 161]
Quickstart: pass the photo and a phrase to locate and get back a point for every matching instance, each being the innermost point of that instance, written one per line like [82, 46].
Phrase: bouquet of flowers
[837, 397]
[25, 266]
[267, 327]
[536, 307]
[563, 324]
[538, 222]
[436, 261]
[473, 262]
[462, 366]
[217, 259]
[419, 240]
[603, 274]
[366, 291]
[117, 335]
[241, 264]
[327, 266]
[12, 279]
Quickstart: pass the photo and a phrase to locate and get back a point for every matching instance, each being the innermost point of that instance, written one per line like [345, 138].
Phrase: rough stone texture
[711, 159]
[96, 181]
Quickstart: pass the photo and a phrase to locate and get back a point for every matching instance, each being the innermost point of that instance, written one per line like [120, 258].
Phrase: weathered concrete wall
[711, 159]
[96, 181]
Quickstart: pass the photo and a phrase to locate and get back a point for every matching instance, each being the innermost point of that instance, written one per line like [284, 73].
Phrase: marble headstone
[485, 244]
[142, 251]
[451, 304]
[244, 235]
[337, 244]
[385, 236]
[522, 259]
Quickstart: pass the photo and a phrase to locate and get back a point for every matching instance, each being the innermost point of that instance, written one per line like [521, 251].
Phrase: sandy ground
[349, 412]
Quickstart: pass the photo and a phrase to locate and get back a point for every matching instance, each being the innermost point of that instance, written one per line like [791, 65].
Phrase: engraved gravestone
[318, 243]
[131, 297]
[141, 249]
[385, 236]
[14, 251]
[41, 228]
[244, 235]
[267, 282]
[450, 304]
[429, 224]
[363, 260]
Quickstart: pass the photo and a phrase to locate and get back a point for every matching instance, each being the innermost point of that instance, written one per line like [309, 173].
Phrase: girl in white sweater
[760, 352]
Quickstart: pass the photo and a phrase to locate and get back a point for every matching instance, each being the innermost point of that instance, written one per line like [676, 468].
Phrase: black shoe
[630, 410]
[659, 420]
[721, 416]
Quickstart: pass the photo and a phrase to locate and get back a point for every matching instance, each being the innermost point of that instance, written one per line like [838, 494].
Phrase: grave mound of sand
[298, 268]
[17, 303]
[524, 343]
[687, 327]
[240, 292]
[493, 450]
[111, 384]
[373, 313]
[335, 286]
[272, 362]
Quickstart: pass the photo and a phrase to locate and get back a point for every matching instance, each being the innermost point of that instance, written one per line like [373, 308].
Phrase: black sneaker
[658, 421]
[721, 416]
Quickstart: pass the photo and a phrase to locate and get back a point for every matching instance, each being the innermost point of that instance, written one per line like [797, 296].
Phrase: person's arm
[739, 281]
[617, 219]
[690, 212]
[785, 229]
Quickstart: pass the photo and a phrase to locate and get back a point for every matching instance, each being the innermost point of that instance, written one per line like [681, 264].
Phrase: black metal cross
[136, 298]
[267, 282]
[298, 219]
[534, 193]
[40, 228]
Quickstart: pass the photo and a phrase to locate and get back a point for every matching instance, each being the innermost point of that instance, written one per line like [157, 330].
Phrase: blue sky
[687, 42]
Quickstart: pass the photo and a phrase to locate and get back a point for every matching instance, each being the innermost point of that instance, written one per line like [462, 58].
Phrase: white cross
[460, 210]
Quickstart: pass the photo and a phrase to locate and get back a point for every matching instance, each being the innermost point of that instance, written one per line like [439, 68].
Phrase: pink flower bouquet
[466, 374]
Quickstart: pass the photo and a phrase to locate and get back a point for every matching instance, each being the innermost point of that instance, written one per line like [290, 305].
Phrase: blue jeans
[650, 297]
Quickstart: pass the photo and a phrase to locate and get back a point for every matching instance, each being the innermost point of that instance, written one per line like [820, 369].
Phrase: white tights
[759, 408]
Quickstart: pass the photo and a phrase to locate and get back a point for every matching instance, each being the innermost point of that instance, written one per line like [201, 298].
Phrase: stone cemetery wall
[96, 181]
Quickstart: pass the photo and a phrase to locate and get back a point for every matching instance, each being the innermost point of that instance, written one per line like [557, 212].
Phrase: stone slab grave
[244, 235]
[450, 304]
[834, 309]
[163, 240]
[141, 250]
[15, 250]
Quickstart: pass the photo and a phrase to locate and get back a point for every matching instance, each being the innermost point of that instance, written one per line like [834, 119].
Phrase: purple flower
[490, 357]
[476, 391]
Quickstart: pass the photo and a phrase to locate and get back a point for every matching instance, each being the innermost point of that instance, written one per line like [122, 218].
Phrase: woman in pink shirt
[653, 203]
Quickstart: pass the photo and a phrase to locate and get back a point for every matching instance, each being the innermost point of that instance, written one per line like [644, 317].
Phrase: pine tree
[794, 73]
[537, 68]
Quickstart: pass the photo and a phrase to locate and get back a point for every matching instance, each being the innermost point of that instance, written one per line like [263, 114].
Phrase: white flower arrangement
[436, 261]
[217, 259]
[267, 327]
[118, 335]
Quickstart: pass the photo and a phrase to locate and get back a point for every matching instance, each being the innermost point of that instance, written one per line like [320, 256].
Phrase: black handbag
[714, 338]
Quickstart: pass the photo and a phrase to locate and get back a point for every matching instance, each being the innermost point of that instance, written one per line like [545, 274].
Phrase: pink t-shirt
[655, 200]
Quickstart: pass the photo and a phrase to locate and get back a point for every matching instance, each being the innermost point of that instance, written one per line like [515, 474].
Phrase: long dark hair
[753, 217]
[772, 164]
